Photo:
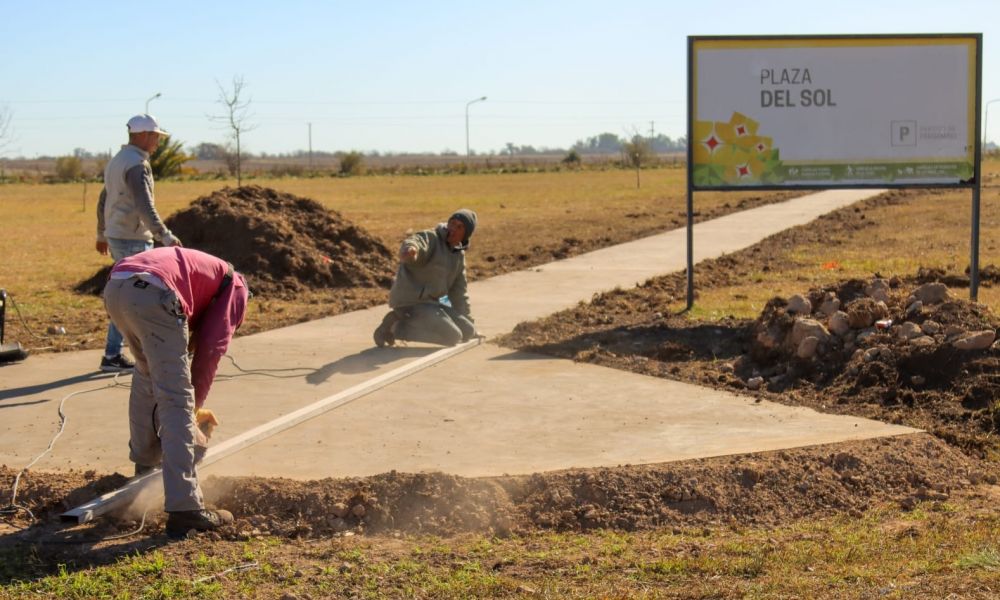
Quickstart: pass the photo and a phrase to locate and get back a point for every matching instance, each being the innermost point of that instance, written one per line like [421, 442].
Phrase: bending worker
[127, 219]
[169, 302]
[429, 296]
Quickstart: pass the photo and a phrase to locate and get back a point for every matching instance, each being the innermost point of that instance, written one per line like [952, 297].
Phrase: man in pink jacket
[169, 302]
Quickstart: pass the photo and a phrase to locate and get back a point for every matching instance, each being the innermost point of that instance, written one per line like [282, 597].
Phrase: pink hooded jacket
[213, 315]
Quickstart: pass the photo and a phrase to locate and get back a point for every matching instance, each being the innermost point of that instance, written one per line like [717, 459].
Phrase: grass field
[48, 232]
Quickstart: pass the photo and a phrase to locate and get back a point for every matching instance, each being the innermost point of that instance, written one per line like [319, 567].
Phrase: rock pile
[875, 332]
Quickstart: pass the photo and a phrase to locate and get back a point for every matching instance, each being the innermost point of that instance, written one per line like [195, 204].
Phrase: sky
[399, 76]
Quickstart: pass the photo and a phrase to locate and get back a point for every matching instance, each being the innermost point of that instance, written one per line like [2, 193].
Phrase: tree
[6, 133]
[635, 153]
[237, 117]
[168, 158]
[207, 151]
[69, 168]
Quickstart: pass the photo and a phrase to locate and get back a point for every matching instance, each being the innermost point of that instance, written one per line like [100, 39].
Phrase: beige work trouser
[161, 404]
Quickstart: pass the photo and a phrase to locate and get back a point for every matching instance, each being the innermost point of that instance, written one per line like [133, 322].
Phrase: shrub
[351, 163]
[69, 168]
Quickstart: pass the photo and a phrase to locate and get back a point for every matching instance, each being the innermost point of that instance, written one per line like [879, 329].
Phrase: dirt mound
[282, 242]
[906, 350]
[764, 488]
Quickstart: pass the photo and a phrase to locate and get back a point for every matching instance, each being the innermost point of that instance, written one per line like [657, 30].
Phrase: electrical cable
[13, 508]
[21, 317]
[264, 372]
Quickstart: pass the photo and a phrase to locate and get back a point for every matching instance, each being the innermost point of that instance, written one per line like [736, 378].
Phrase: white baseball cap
[141, 123]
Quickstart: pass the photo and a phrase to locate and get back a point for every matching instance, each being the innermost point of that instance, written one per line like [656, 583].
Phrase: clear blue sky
[396, 75]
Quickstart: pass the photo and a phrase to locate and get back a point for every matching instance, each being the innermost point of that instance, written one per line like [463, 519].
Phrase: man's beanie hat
[468, 218]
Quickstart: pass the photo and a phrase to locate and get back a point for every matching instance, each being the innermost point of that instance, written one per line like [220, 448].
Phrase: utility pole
[310, 146]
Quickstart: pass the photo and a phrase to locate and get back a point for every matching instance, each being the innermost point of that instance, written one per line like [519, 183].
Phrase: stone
[977, 340]
[909, 331]
[864, 312]
[830, 304]
[754, 383]
[339, 510]
[799, 305]
[932, 293]
[930, 327]
[878, 289]
[923, 341]
[803, 328]
[914, 308]
[838, 323]
[807, 347]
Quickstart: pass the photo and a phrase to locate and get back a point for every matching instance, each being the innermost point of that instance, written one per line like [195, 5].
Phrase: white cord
[13, 507]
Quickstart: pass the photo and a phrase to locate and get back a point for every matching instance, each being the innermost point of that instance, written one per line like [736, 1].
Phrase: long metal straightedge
[125, 494]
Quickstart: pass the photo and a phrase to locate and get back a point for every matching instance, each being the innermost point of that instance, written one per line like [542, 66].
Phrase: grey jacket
[125, 209]
[437, 271]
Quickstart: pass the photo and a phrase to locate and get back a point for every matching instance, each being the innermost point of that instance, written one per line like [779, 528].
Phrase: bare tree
[5, 130]
[636, 152]
[237, 117]
[6, 134]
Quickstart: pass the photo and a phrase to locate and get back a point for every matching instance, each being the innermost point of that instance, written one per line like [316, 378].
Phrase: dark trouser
[434, 324]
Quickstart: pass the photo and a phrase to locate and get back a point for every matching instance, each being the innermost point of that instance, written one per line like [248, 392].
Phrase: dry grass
[931, 231]
[47, 245]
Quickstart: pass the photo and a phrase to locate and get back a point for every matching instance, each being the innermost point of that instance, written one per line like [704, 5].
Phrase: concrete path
[487, 411]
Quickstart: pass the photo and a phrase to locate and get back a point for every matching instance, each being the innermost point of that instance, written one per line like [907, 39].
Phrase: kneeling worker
[431, 267]
[169, 302]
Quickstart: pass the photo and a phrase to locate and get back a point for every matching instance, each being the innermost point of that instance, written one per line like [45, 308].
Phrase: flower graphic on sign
[732, 153]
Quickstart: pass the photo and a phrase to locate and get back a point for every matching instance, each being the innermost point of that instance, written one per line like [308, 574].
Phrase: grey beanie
[468, 218]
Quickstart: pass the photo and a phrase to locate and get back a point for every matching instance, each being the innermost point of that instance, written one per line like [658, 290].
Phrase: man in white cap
[127, 221]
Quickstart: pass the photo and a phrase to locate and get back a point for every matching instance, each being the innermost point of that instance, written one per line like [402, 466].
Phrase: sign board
[833, 111]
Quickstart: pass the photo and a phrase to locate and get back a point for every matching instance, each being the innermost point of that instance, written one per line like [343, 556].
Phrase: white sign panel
[827, 112]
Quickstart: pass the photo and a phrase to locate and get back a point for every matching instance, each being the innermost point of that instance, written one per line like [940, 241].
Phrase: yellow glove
[206, 420]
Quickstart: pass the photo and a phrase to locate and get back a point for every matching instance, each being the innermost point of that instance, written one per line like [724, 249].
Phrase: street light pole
[151, 98]
[986, 121]
[468, 153]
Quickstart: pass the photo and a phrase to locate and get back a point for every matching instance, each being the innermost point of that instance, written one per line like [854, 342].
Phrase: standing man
[127, 220]
[429, 296]
[169, 302]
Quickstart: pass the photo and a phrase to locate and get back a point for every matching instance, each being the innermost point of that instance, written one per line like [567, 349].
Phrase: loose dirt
[282, 243]
[764, 488]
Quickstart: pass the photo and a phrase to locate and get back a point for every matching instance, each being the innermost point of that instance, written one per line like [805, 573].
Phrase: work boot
[180, 523]
[384, 333]
[117, 364]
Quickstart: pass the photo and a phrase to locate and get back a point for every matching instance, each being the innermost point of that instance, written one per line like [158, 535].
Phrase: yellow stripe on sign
[853, 42]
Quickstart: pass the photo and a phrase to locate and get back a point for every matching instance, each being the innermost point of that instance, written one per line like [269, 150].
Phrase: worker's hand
[407, 254]
[170, 239]
[207, 422]
[102, 248]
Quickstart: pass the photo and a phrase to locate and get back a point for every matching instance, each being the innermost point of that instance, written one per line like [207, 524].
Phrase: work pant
[121, 248]
[161, 404]
[433, 323]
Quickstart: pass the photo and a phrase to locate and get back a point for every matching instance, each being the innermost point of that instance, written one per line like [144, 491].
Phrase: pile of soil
[282, 243]
[763, 488]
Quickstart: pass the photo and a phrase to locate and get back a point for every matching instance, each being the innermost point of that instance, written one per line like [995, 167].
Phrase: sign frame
[973, 133]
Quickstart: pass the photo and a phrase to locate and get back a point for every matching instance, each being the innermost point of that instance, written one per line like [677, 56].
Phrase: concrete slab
[487, 411]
